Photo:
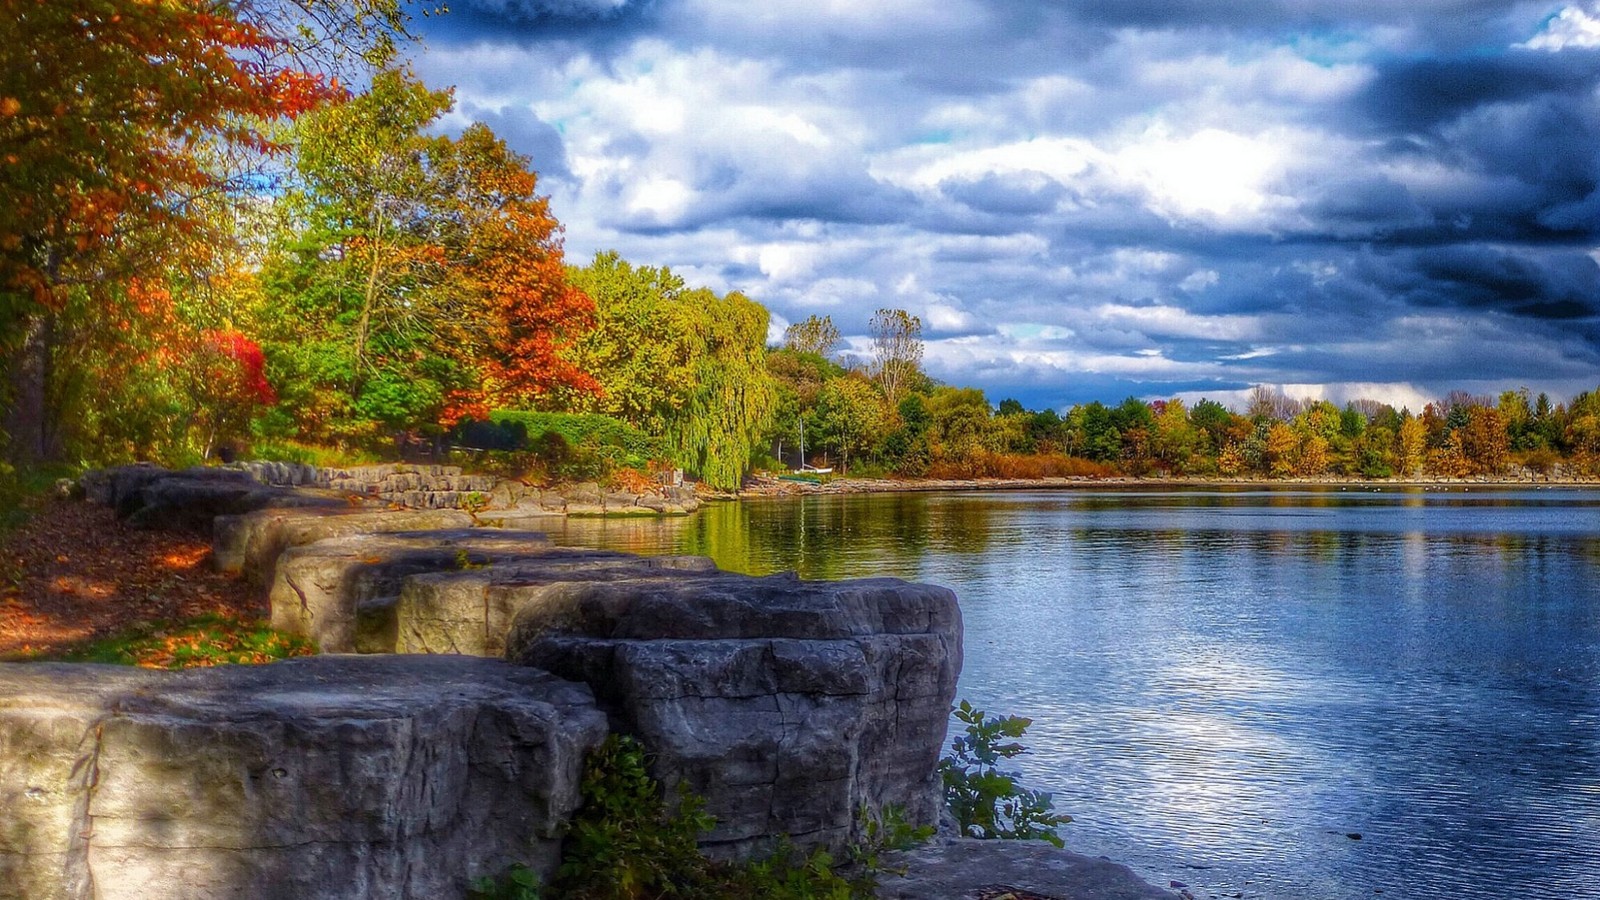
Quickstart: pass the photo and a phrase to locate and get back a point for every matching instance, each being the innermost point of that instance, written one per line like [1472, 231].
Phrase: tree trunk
[28, 418]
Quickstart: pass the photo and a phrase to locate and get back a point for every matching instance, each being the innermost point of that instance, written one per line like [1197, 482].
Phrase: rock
[788, 704]
[957, 868]
[149, 496]
[250, 544]
[286, 474]
[586, 494]
[329, 777]
[471, 610]
[107, 486]
[341, 591]
[621, 500]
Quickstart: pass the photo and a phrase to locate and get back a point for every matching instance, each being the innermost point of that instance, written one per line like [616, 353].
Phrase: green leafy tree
[851, 415]
[734, 398]
[814, 335]
[685, 364]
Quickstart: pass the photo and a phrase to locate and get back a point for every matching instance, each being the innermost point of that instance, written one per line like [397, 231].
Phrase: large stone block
[471, 610]
[251, 544]
[341, 591]
[788, 704]
[330, 777]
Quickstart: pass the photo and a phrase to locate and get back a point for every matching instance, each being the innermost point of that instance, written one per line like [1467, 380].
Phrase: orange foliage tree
[108, 111]
[512, 261]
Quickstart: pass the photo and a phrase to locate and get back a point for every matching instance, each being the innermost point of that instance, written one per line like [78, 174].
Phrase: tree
[896, 351]
[107, 111]
[813, 335]
[1174, 439]
[521, 314]
[684, 364]
[851, 415]
[1484, 441]
[734, 397]
[425, 275]
[1412, 447]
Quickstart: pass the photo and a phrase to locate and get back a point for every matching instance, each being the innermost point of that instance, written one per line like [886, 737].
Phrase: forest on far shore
[210, 245]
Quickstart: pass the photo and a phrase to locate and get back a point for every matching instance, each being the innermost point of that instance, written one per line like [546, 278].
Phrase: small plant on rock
[988, 802]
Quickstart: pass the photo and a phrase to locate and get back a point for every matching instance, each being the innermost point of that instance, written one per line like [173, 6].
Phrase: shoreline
[763, 486]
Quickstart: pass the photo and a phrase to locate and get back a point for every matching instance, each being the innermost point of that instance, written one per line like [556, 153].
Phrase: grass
[212, 639]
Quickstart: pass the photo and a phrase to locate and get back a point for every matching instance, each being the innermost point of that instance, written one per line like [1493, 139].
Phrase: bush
[987, 802]
[564, 446]
[625, 844]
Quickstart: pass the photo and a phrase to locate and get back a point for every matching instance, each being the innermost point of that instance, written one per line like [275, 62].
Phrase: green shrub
[565, 446]
[987, 802]
[624, 843]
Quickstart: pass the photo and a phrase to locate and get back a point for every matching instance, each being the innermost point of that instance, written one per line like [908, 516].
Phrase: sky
[1083, 201]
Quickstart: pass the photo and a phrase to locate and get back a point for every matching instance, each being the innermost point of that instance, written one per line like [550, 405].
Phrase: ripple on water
[1226, 685]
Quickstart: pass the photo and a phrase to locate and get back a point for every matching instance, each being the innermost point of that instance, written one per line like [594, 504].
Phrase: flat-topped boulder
[966, 869]
[327, 777]
[147, 496]
[250, 544]
[428, 592]
[471, 610]
[790, 705]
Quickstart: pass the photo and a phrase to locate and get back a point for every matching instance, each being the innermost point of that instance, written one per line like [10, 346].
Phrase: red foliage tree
[109, 111]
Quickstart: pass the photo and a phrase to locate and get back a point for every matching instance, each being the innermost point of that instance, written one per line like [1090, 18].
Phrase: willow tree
[680, 363]
[734, 398]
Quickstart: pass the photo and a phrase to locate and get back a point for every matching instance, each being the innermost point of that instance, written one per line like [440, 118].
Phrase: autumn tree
[813, 335]
[896, 351]
[684, 364]
[515, 312]
[421, 276]
[109, 113]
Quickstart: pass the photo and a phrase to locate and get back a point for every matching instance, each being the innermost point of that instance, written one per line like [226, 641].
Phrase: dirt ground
[72, 572]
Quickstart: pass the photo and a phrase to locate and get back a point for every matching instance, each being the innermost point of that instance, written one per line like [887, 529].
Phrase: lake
[1326, 694]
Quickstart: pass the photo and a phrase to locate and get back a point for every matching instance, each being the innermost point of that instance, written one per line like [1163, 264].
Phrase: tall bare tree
[896, 351]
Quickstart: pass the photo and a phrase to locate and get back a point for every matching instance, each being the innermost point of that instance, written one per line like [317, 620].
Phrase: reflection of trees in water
[847, 536]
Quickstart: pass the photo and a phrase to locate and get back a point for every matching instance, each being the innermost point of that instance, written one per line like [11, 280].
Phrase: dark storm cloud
[1566, 286]
[1016, 193]
[1522, 129]
[1413, 95]
[1407, 193]
[526, 134]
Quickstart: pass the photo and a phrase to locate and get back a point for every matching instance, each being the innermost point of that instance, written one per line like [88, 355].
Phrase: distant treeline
[943, 431]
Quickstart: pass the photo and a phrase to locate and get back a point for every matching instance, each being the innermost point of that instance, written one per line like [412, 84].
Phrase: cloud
[1086, 200]
[1572, 27]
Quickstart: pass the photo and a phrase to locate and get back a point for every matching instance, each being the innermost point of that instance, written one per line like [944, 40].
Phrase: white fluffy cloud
[1084, 200]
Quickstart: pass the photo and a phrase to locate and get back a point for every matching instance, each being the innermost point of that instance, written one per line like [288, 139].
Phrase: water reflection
[1226, 684]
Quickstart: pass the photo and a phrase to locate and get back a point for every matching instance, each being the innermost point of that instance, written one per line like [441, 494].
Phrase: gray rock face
[251, 543]
[147, 496]
[331, 777]
[957, 868]
[434, 591]
[787, 704]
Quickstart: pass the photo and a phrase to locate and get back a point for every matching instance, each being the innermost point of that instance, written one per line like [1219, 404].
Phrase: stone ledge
[329, 777]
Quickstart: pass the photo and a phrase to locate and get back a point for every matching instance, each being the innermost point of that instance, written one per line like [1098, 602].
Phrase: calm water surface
[1228, 685]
